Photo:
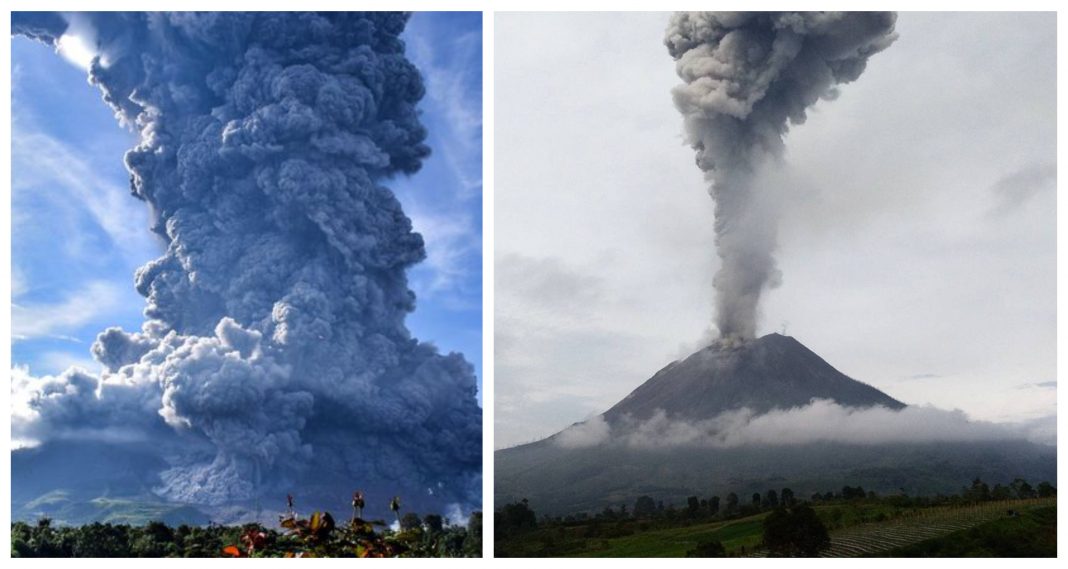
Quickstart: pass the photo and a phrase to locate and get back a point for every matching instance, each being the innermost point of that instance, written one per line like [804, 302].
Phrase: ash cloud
[274, 348]
[821, 420]
[748, 76]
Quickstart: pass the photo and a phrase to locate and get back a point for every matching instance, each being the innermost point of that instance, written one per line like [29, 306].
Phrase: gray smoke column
[274, 356]
[747, 76]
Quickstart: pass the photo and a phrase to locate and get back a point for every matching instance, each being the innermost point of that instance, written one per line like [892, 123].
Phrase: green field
[735, 535]
[865, 528]
[1031, 534]
[881, 538]
[637, 542]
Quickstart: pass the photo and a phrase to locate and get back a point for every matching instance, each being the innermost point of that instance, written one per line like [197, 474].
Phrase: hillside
[772, 372]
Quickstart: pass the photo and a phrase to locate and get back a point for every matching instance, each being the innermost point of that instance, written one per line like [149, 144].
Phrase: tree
[850, 493]
[978, 492]
[434, 524]
[1001, 492]
[101, 540]
[787, 497]
[756, 500]
[473, 539]
[44, 541]
[156, 539]
[514, 519]
[645, 507]
[1022, 489]
[795, 532]
[732, 502]
[713, 505]
[472, 542]
[1046, 490]
[708, 549]
[692, 506]
[771, 499]
[410, 521]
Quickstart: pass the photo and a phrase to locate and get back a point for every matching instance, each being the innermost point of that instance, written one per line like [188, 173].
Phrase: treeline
[792, 528]
[318, 535]
[979, 491]
[519, 517]
[789, 524]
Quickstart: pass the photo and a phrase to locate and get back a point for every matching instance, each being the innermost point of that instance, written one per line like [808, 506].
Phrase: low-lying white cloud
[586, 434]
[820, 421]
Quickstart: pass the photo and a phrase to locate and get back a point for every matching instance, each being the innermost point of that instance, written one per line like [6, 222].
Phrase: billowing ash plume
[274, 356]
[747, 75]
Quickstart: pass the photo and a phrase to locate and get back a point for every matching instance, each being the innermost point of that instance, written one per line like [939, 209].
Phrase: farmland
[868, 527]
[879, 538]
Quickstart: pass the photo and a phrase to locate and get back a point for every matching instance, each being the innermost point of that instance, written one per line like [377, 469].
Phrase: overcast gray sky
[918, 243]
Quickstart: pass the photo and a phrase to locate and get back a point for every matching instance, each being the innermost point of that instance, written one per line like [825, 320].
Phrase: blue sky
[78, 236]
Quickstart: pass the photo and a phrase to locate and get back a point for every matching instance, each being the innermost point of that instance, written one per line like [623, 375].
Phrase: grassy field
[675, 542]
[876, 529]
[1031, 534]
[880, 538]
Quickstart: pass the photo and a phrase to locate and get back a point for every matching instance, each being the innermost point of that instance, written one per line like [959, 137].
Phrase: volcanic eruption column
[746, 76]
[274, 345]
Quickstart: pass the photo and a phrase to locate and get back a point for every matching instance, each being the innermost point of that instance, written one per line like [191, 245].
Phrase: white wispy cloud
[449, 85]
[453, 245]
[18, 282]
[449, 59]
[60, 319]
[44, 162]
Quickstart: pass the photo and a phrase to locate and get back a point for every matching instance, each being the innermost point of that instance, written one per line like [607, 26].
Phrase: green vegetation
[713, 548]
[795, 532]
[600, 537]
[857, 522]
[1030, 533]
[315, 536]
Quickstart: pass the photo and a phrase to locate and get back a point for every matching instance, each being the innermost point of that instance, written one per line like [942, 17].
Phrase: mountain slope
[560, 481]
[774, 371]
[77, 482]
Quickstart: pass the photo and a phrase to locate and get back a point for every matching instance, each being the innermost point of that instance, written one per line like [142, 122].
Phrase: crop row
[920, 525]
[874, 538]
